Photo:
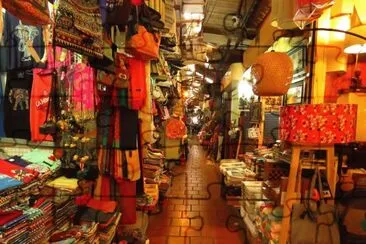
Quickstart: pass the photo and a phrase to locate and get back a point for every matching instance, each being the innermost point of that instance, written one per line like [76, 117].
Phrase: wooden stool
[292, 195]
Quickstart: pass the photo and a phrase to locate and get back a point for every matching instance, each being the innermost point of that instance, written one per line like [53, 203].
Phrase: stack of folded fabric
[13, 227]
[152, 172]
[86, 233]
[108, 232]
[64, 214]
[42, 228]
[103, 212]
[42, 161]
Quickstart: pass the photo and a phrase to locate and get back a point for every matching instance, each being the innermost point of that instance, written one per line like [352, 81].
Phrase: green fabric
[41, 158]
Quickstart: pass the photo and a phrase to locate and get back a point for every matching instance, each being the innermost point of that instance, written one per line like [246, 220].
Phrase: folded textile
[7, 216]
[17, 172]
[43, 158]
[64, 183]
[16, 160]
[7, 182]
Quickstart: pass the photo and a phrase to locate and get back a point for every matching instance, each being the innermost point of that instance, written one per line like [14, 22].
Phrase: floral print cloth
[318, 123]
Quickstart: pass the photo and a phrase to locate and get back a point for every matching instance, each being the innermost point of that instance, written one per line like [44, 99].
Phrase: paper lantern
[323, 124]
[272, 73]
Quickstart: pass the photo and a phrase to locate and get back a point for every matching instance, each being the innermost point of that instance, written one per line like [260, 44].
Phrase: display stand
[295, 169]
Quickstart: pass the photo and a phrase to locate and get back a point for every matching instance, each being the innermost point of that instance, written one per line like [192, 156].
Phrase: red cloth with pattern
[318, 123]
[175, 129]
[17, 172]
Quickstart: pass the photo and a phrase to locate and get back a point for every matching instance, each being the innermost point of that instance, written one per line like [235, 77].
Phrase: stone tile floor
[187, 199]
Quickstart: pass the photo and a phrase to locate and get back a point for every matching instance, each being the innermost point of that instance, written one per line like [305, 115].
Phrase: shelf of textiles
[260, 214]
[154, 171]
[152, 197]
[22, 176]
[135, 233]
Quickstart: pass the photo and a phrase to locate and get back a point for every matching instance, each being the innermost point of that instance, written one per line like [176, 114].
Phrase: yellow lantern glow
[342, 7]
[360, 6]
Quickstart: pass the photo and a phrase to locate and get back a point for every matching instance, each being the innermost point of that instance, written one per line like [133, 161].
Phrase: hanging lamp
[272, 73]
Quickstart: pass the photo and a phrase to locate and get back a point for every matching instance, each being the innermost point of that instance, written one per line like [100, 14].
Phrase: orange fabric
[39, 104]
[144, 44]
[105, 206]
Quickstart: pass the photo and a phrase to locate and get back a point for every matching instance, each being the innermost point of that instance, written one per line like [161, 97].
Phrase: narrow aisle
[185, 201]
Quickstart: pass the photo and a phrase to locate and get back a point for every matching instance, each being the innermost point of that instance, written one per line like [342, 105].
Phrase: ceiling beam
[213, 30]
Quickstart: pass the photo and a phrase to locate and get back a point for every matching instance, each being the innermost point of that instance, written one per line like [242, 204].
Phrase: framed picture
[298, 56]
[295, 94]
[255, 112]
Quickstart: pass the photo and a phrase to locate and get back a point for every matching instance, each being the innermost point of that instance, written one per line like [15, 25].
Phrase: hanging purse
[79, 27]
[117, 12]
[122, 74]
[30, 12]
[144, 45]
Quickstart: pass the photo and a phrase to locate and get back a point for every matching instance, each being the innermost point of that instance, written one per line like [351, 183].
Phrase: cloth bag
[115, 12]
[79, 27]
[311, 224]
[143, 44]
[30, 12]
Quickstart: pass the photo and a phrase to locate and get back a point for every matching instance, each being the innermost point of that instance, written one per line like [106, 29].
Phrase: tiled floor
[189, 217]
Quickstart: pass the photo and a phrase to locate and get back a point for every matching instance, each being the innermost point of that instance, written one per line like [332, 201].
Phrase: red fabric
[105, 206]
[318, 123]
[336, 81]
[7, 216]
[17, 172]
[175, 129]
[137, 84]
[39, 103]
[127, 201]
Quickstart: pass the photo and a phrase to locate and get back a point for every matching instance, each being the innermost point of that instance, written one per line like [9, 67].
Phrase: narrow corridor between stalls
[185, 217]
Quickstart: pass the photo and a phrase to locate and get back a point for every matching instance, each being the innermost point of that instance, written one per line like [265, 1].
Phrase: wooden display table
[295, 170]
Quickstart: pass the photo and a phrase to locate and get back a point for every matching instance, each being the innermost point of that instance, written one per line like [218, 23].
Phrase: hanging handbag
[143, 44]
[116, 12]
[30, 12]
[311, 223]
[122, 73]
[79, 27]
[253, 132]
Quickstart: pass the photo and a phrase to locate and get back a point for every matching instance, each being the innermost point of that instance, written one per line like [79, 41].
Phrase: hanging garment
[123, 192]
[126, 165]
[128, 129]
[82, 78]
[2, 81]
[16, 37]
[79, 27]
[41, 89]
[16, 105]
[137, 85]
[31, 12]
[1, 20]
[39, 103]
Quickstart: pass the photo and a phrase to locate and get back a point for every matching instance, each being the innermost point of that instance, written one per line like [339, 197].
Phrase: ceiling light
[193, 16]
[209, 80]
[191, 67]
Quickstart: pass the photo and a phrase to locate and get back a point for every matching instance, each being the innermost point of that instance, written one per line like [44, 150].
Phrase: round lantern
[272, 73]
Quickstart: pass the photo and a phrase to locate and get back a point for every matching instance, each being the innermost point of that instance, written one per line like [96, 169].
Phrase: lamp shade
[272, 73]
[318, 123]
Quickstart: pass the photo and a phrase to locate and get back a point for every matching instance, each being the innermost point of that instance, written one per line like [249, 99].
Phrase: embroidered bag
[30, 12]
[79, 27]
